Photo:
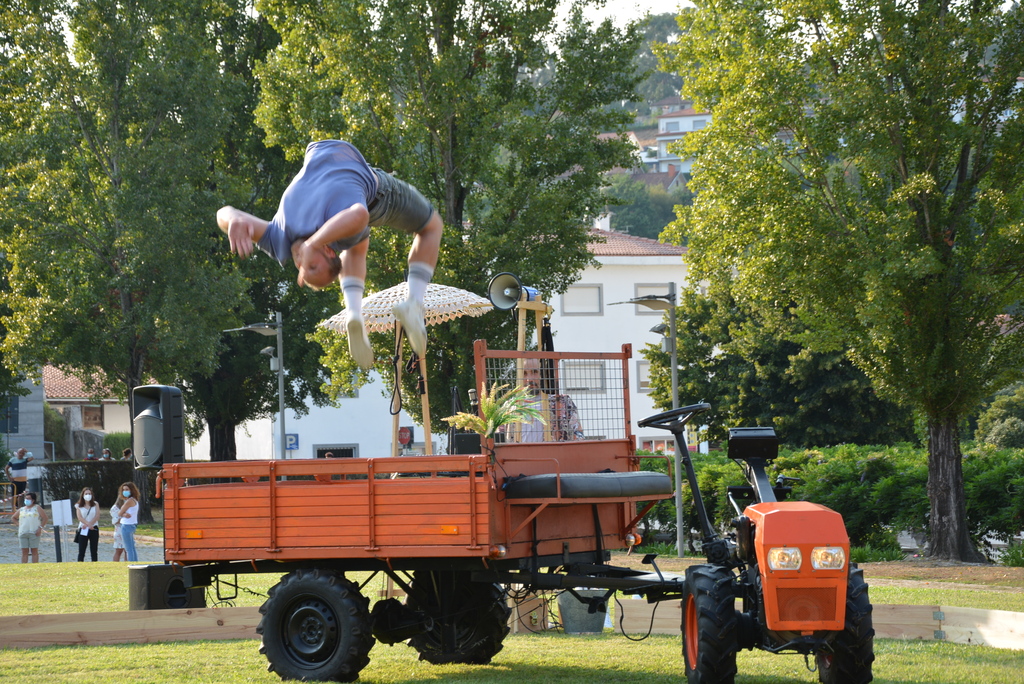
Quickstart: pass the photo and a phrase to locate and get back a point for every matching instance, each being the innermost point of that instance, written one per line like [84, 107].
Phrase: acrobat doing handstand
[323, 225]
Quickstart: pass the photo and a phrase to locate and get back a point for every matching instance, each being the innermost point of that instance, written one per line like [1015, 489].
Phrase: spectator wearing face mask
[128, 515]
[88, 512]
[90, 455]
[31, 520]
[105, 456]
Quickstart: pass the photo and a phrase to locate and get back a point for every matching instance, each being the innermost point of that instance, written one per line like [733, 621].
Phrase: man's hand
[240, 235]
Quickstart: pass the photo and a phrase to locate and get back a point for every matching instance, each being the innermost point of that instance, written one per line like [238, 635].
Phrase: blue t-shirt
[334, 177]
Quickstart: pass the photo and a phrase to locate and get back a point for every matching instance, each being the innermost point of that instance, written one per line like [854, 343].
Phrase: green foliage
[67, 479]
[441, 95]
[497, 410]
[117, 442]
[1002, 423]
[641, 209]
[751, 367]
[1013, 556]
[55, 429]
[115, 268]
[874, 183]
[870, 554]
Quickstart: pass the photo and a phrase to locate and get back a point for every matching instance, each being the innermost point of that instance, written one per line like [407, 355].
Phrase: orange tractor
[781, 581]
[454, 531]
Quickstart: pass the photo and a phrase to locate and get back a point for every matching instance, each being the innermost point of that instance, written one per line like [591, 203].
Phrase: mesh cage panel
[585, 397]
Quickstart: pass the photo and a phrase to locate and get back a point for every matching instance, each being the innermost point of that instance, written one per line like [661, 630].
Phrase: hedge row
[880, 491]
[66, 479]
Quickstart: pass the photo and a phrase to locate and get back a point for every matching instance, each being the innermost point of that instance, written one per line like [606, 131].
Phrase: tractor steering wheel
[674, 419]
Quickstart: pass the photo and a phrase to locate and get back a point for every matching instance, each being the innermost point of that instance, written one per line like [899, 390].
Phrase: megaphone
[506, 290]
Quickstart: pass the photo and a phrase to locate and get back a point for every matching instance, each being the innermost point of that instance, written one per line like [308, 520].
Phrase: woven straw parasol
[440, 304]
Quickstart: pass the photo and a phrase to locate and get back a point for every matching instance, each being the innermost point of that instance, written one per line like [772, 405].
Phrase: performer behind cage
[563, 418]
[323, 224]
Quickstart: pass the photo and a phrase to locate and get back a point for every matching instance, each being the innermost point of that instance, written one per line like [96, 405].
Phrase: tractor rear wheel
[853, 650]
[316, 626]
[469, 619]
[709, 625]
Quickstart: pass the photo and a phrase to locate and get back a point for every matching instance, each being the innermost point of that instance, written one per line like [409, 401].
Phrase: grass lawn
[526, 659]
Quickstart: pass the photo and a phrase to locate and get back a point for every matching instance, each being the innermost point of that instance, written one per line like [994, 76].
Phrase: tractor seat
[589, 485]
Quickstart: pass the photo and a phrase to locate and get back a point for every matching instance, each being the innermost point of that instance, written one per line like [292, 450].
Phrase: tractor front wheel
[853, 651]
[709, 625]
[316, 627]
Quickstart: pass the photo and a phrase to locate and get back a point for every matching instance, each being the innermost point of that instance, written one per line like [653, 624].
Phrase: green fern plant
[498, 409]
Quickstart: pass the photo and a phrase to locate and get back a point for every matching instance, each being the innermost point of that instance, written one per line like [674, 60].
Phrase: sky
[625, 10]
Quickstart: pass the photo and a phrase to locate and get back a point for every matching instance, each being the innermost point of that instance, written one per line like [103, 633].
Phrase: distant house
[672, 127]
[88, 418]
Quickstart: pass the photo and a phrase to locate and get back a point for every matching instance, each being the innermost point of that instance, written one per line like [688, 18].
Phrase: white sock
[353, 289]
[419, 277]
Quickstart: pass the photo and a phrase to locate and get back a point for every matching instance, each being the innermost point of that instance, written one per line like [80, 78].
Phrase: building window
[580, 376]
[699, 124]
[671, 126]
[9, 414]
[658, 445]
[583, 300]
[645, 289]
[643, 377]
[336, 450]
[92, 417]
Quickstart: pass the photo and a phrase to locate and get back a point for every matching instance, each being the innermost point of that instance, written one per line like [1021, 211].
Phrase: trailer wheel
[853, 650]
[709, 625]
[470, 619]
[316, 627]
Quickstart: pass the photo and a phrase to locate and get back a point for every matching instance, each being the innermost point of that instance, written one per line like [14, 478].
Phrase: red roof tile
[621, 244]
[59, 385]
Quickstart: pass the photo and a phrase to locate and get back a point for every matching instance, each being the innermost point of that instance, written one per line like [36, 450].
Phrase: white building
[673, 127]
[585, 318]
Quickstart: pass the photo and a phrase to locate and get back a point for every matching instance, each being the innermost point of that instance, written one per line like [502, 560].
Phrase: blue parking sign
[291, 441]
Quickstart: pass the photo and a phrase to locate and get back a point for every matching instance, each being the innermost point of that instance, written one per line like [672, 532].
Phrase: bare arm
[345, 224]
[243, 229]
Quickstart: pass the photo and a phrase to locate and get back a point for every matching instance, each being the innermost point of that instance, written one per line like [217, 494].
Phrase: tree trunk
[948, 534]
[222, 441]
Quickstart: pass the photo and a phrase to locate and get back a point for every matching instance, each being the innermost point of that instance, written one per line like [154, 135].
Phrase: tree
[642, 209]
[116, 270]
[752, 373]
[439, 94]
[241, 386]
[658, 84]
[864, 163]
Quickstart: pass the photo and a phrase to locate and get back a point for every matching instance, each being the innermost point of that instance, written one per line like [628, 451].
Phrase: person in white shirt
[88, 512]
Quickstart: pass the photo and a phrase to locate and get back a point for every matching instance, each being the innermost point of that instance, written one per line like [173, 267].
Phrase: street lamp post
[667, 302]
[275, 328]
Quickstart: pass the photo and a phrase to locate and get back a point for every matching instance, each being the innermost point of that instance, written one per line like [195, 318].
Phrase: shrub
[117, 442]
[55, 429]
[995, 424]
[1013, 556]
[870, 554]
[66, 479]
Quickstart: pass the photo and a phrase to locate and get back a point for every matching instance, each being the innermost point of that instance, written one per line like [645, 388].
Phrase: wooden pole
[397, 397]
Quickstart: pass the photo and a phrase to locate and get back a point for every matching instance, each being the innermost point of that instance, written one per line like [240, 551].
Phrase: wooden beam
[129, 627]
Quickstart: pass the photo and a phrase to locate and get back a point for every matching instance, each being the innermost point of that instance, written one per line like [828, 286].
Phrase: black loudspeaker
[505, 290]
[466, 443]
[159, 587]
[159, 426]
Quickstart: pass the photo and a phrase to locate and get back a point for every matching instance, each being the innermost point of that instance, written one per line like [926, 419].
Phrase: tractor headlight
[828, 558]
[785, 558]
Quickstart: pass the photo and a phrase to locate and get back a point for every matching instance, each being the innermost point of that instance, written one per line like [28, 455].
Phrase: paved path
[150, 550]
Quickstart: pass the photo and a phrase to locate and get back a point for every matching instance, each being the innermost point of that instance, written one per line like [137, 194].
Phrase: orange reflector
[449, 529]
[193, 534]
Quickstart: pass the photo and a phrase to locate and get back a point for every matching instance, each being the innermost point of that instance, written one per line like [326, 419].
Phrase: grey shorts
[399, 205]
[29, 541]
